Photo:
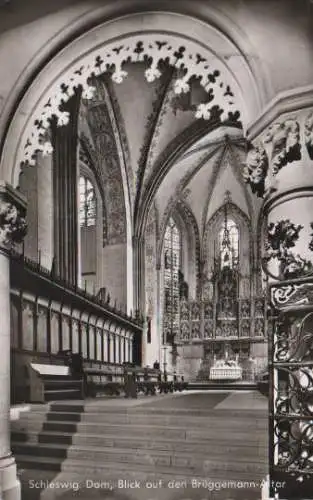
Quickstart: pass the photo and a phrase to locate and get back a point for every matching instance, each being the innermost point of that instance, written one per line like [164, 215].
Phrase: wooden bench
[103, 381]
[147, 381]
[169, 383]
[53, 382]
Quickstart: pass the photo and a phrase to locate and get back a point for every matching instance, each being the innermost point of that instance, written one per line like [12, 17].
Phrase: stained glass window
[229, 244]
[172, 261]
[87, 199]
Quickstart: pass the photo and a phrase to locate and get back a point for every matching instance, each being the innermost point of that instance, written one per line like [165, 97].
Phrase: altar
[225, 370]
[227, 315]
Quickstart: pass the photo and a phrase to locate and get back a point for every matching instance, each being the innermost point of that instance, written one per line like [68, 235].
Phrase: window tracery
[87, 203]
[172, 261]
[229, 244]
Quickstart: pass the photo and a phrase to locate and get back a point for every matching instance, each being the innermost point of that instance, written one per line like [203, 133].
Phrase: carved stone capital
[280, 155]
[13, 227]
[255, 170]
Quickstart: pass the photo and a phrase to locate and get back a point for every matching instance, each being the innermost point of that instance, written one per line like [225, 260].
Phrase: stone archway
[123, 40]
[34, 110]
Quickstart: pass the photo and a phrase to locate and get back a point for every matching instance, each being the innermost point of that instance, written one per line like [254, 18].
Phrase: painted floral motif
[255, 170]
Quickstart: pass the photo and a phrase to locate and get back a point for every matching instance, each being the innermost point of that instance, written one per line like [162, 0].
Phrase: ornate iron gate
[291, 389]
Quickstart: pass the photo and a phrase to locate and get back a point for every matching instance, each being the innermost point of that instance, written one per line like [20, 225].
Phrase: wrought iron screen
[291, 390]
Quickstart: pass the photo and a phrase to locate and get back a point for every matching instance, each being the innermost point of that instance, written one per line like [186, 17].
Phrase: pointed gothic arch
[246, 256]
[189, 226]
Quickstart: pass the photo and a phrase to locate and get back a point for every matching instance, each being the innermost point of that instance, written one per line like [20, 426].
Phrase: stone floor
[45, 485]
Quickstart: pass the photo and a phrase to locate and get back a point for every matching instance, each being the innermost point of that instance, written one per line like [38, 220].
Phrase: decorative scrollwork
[292, 404]
[308, 134]
[255, 170]
[294, 445]
[292, 294]
[13, 227]
[285, 138]
[293, 386]
[113, 58]
[294, 347]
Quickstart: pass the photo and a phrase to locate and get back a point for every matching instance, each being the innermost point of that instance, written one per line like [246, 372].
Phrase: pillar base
[10, 486]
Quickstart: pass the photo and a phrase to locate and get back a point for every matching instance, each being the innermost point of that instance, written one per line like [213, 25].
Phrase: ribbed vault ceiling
[150, 123]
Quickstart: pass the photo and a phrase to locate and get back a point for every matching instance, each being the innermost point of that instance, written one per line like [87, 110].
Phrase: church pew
[103, 381]
[147, 381]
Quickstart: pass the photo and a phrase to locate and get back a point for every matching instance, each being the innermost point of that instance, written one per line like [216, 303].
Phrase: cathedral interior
[156, 213]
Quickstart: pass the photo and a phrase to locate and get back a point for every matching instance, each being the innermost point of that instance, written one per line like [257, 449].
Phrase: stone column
[280, 167]
[12, 231]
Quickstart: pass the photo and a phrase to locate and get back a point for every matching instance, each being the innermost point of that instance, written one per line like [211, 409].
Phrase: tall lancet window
[172, 262]
[87, 203]
[229, 243]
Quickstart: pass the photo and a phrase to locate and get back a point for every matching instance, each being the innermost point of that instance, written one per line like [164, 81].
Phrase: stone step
[59, 394]
[145, 419]
[118, 432]
[182, 467]
[190, 458]
[216, 445]
[92, 406]
[149, 431]
[111, 440]
[135, 421]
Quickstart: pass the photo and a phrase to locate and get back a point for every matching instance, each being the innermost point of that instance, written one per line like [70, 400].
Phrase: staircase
[62, 387]
[92, 441]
